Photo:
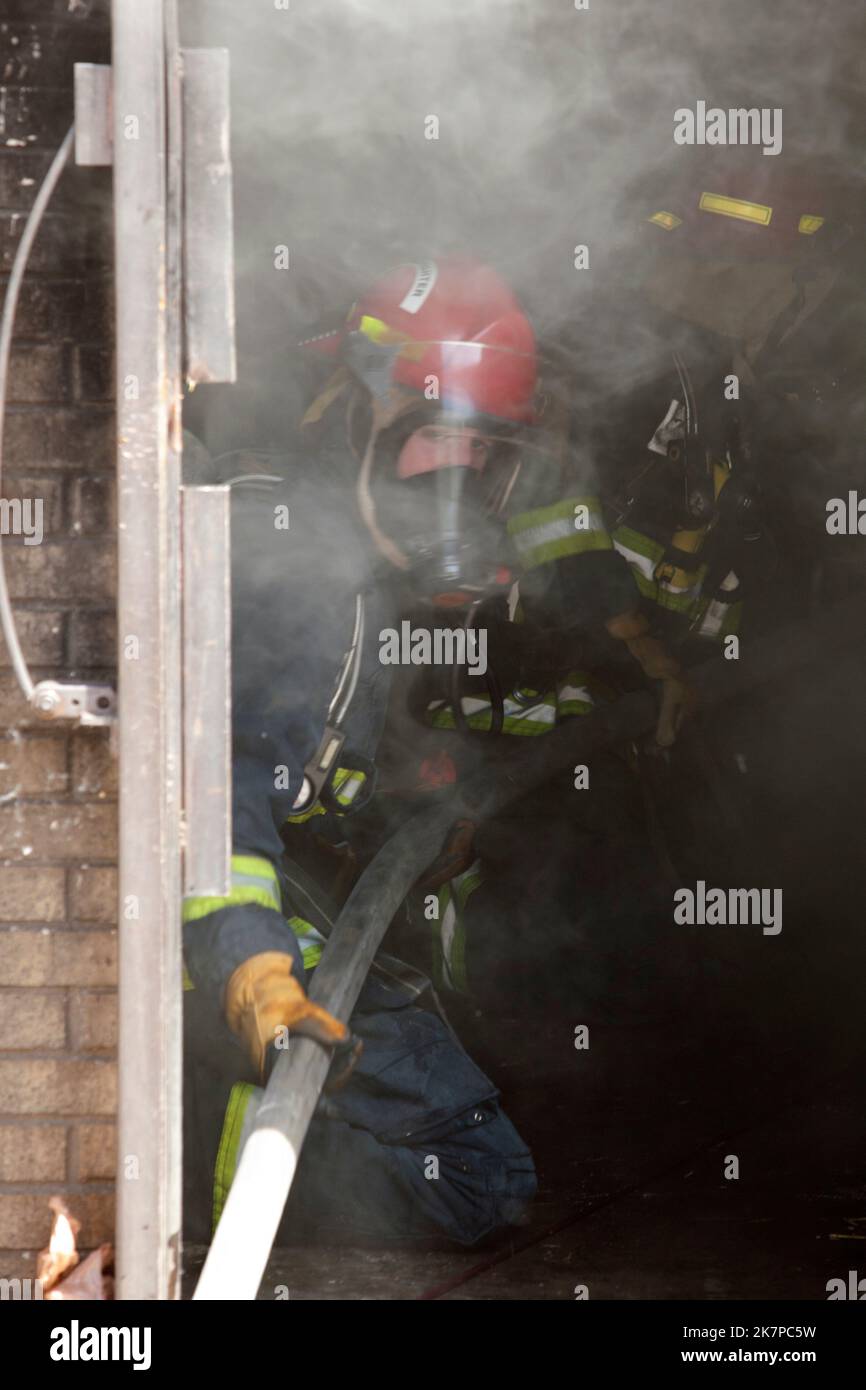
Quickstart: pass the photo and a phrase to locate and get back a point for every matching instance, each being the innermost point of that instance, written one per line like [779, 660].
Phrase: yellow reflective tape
[809, 224]
[572, 696]
[347, 783]
[449, 932]
[642, 552]
[550, 533]
[736, 207]
[380, 332]
[254, 880]
[563, 510]
[668, 220]
[194, 908]
[230, 1138]
[311, 941]
[303, 816]
[255, 866]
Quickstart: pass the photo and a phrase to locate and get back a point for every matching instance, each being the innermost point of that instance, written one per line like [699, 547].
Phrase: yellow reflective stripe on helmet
[227, 1154]
[254, 880]
[809, 224]
[380, 332]
[569, 527]
[736, 207]
[668, 220]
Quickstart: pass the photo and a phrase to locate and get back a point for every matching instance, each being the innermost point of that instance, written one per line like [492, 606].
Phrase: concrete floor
[634, 1203]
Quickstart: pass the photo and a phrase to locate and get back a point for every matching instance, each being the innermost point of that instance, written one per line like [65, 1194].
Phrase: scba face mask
[437, 488]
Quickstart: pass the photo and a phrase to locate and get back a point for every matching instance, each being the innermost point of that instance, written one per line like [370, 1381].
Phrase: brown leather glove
[262, 996]
[678, 696]
[454, 858]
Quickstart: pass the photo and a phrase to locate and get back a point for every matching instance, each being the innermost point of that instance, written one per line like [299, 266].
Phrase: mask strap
[382, 416]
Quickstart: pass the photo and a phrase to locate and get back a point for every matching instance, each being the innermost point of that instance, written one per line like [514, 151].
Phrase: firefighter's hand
[678, 701]
[262, 996]
[678, 697]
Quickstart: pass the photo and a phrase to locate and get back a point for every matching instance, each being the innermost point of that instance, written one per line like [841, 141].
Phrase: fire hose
[243, 1239]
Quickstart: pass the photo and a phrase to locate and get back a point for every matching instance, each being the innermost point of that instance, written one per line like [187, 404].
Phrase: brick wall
[57, 784]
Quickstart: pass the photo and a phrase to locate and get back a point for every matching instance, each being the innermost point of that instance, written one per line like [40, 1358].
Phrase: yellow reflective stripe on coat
[348, 781]
[254, 880]
[642, 553]
[569, 527]
[449, 933]
[674, 589]
[230, 1138]
[311, 942]
[521, 718]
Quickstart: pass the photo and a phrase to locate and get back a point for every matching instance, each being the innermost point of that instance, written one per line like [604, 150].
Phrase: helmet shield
[466, 378]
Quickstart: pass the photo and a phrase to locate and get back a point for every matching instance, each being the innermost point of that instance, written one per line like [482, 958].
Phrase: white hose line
[254, 1207]
[248, 1225]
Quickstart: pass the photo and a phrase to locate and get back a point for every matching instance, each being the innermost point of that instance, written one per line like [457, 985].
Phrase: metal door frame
[149, 657]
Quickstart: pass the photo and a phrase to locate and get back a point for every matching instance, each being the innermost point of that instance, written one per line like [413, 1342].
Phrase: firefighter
[477, 496]
[723, 414]
[463, 485]
[745, 280]
[410, 1140]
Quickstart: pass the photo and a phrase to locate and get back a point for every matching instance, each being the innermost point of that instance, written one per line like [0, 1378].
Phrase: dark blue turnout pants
[415, 1145]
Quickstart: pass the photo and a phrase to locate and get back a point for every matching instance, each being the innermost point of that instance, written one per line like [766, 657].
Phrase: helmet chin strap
[384, 413]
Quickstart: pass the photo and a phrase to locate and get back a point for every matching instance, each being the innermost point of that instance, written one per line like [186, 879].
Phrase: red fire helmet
[450, 330]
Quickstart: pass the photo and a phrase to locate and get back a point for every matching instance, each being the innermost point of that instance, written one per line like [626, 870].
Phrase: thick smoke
[555, 128]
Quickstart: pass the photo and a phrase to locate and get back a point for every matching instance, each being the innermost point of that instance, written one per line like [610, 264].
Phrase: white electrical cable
[7, 323]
